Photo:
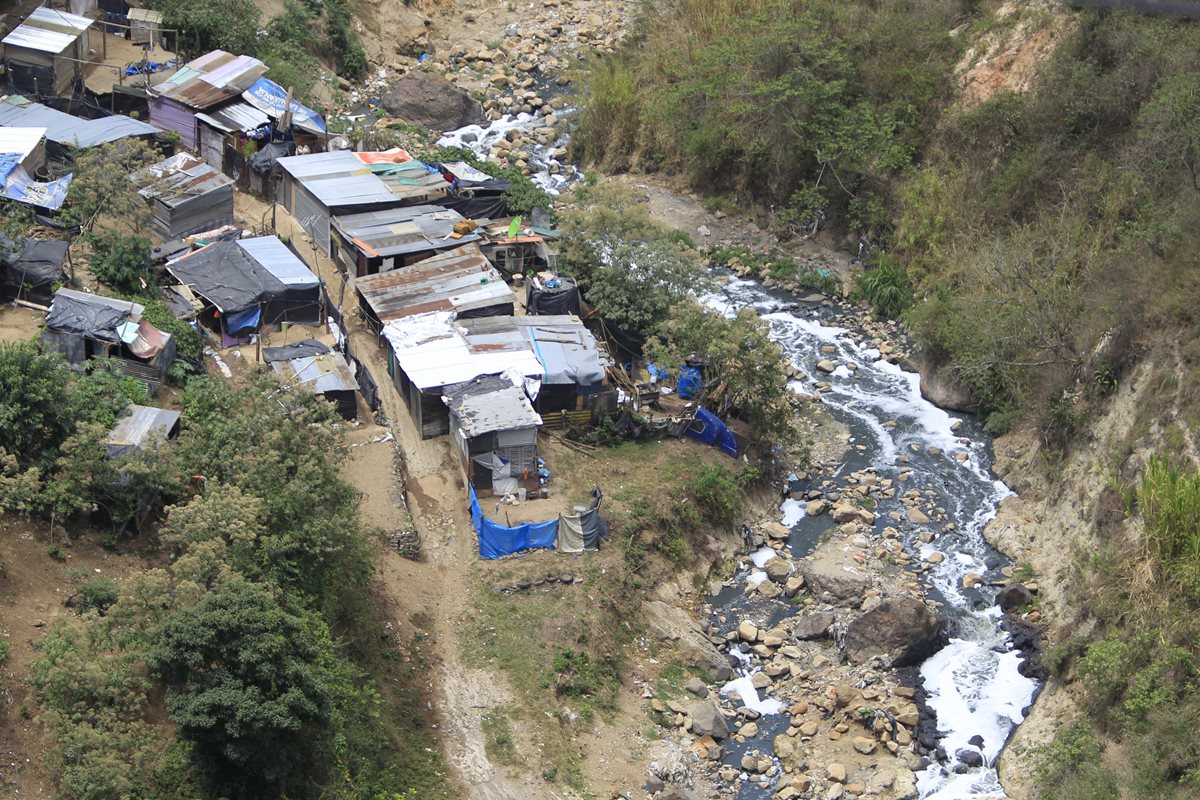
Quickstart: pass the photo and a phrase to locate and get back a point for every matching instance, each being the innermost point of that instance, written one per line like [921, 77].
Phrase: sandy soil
[19, 324]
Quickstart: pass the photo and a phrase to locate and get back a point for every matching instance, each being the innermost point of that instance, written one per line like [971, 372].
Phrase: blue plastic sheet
[270, 98]
[496, 541]
[243, 320]
[689, 381]
[712, 431]
[22, 188]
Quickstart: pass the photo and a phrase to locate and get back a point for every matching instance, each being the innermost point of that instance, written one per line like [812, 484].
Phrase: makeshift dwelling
[493, 434]
[31, 271]
[186, 196]
[548, 294]
[145, 26]
[224, 132]
[562, 361]
[327, 375]
[461, 281]
[380, 241]
[65, 131]
[583, 529]
[83, 326]
[477, 195]
[46, 53]
[141, 428]
[319, 186]
[200, 86]
[249, 283]
[23, 147]
[497, 541]
[517, 250]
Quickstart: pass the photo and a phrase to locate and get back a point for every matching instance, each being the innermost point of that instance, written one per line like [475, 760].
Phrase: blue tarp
[689, 381]
[243, 320]
[496, 541]
[712, 431]
[20, 187]
[269, 97]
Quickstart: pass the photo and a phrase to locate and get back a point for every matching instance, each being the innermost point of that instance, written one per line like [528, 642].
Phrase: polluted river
[973, 685]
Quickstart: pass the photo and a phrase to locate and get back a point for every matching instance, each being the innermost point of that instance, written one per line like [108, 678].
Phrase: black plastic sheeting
[38, 265]
[300, 349]
[484, 207]
[93, 320]
[545, 301]
[224, 275]
[262, 161]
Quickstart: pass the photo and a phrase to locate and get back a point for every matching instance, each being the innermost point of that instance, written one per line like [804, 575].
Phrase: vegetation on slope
[256, 632]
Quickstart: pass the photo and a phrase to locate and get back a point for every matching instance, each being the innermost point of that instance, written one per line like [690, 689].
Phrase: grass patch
[499, 743]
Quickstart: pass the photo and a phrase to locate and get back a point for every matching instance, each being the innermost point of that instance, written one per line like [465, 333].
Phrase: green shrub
[97, 594]
[886, 287]
[717, 492]
[1169, 499]
[577, 674]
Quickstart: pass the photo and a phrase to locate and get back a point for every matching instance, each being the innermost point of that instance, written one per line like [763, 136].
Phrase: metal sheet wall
[313, 217]
[171, 116]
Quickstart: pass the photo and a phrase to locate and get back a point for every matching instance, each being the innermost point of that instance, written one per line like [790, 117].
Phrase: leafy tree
[216, 534]
[34, 416]
[740, 353]
[103, 181]
[252, 684]
[215, 24]
[119, 261]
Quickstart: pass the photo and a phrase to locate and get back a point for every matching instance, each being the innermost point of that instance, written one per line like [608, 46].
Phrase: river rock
[836, 772]
[815, 508]
[794, 584]
[707, 720]
[825, 365]
[696, 687]
[864, 745]
[775, 530]
[939, 386]
[1014, 596]
[778, 569]
[916, 516]
[747, 631]
[901, 629]
[426, 98]
[672, 624]
[813, 625]
[832, 579]
[970, 757]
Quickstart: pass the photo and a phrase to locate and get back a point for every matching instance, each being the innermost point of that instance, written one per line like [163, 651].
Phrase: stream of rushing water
[973, 684]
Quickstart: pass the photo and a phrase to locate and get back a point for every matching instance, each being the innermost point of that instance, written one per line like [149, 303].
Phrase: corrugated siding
[171, 116]
[313, 217]
[212, 146]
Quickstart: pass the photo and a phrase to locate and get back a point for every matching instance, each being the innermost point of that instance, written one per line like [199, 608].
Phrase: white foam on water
[793, 512]
[976, 691]
[744, 686]
[479, 140]
[756, 577]
[761, 556]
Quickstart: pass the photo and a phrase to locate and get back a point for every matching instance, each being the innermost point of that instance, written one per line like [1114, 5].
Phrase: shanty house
[560, 358]
[46, 53]
[23, 147]
[493, 435]
[199, 86]
[65, 131]
[461, 281]
[141, 428]
[248, 283]
[327, 375]
[31, 270]
[83, 326]
[186, 196]
[319, 186]
[380, 241]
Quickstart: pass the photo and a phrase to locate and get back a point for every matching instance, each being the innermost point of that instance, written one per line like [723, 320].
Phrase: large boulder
[833, 580]
[674, 625]
[707, 720]
[813, 625]
[940, 387]
[903, 630]
[426, 98]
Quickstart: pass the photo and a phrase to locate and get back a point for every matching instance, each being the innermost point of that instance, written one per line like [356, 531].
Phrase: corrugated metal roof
[142, 426]
[433, 351]
[48, 30]
[235, 117]
[180, 178]
[328, 372]
[490, 403]
[340, 179]
[21, 141]
[408, 229]
[211, 79]
[277, 259]
[458, 281]
[68, 129]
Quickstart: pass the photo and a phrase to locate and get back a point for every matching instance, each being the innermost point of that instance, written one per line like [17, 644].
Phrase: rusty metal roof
[211, 79]
[460, 280]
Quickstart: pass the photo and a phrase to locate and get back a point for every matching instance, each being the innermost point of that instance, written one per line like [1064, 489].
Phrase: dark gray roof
[141, 427]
